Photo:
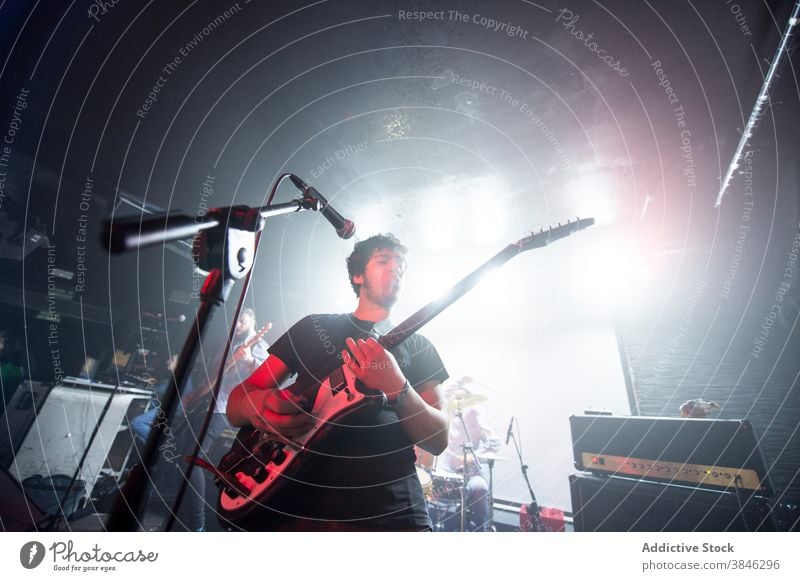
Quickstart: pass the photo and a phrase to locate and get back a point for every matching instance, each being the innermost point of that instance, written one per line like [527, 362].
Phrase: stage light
[441, 222]
[371, 220]
[611, 274]
[594, 192]
[489, 217]
[430, 278]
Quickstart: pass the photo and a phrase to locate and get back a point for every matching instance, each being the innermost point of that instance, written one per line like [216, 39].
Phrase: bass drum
[445, 516]
[444, 503]
[446, 487]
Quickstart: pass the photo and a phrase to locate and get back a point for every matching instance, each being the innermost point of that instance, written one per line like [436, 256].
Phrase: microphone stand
[225, 245]
[467, 445]
[524, 467]
[491, 495]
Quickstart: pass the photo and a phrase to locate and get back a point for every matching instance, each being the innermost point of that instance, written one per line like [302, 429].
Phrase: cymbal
[465, 401]
[491, 456]
[467, 380]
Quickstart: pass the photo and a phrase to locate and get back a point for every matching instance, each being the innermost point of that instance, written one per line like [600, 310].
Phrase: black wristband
[401, 395]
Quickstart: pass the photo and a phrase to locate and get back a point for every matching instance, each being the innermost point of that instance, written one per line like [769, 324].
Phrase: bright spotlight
[594, 192]
[373, 219]
[611, 274]
[489, 216]
[442, 222]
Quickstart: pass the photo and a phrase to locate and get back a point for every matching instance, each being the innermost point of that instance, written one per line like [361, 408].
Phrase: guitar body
[261, 466]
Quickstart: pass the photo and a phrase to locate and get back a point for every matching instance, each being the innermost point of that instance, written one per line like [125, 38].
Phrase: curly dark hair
[357, 261]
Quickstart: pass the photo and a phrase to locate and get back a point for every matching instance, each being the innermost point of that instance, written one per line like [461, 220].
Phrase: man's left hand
[374, 366]
[244, 354]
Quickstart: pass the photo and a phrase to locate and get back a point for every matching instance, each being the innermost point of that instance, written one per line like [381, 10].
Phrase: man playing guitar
[249, 351]
[364, 478]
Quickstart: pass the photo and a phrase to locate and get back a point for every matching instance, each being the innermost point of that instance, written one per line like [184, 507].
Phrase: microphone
[510, 430]
[344, 228]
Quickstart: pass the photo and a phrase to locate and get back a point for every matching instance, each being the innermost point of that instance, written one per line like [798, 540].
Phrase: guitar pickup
[260, 475]
[279, 457]
[244, 483]
[222, 479]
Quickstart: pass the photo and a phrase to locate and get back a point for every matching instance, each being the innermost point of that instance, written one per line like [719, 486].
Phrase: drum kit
[446, 490]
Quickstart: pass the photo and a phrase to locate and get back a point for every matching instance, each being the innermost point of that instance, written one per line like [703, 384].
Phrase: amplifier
[18, 417]
[17, 511]
[57, 429]
[721, 455]
[615, 504]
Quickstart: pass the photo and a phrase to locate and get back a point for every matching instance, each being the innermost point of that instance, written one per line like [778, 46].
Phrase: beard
[385, 300]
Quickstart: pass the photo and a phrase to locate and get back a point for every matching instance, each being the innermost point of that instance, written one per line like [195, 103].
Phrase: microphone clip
[309, 202]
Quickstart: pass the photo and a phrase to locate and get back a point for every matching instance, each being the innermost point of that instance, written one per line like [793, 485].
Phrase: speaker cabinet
[18, 417]
[18, 513]
[617, 504]
[54, 432]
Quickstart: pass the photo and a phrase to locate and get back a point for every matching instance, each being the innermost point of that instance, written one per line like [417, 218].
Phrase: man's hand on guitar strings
[274, 411]
[374, 366]
[244, 353]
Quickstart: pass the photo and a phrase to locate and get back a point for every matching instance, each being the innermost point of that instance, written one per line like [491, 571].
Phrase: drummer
[463, 396]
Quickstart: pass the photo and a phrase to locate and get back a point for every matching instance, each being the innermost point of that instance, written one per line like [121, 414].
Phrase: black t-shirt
[366, 476]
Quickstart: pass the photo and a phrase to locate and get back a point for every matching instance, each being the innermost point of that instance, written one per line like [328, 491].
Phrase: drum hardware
[471, 460]
[446, 488]
[488, 456]
[467, 380]
[445, 516]
[425, 465]
[459, 402]
[446, 494]
[425, 480]
[442, 491]
[490, 459]
[467, 449]
[445, 504]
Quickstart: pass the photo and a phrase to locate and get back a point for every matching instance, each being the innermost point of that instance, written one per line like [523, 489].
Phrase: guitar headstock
[544, 237]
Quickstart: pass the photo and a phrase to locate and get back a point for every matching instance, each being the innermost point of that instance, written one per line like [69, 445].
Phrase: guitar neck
[416, 321]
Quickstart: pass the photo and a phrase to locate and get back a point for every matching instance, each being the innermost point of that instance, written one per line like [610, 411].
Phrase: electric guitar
[200, 399]
[235, 358]
[261, 465]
